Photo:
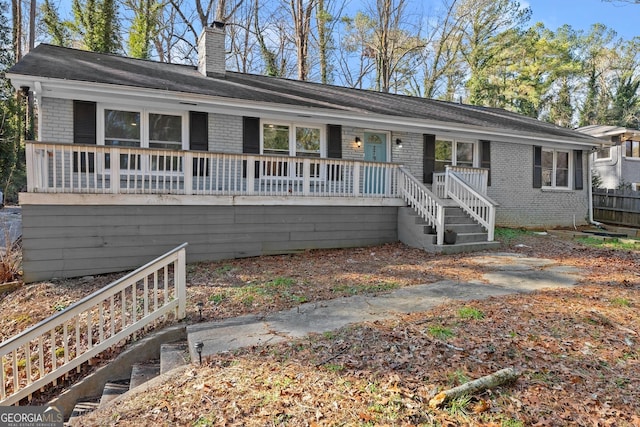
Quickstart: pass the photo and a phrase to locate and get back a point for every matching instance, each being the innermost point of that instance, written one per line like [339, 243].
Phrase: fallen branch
[484, 383]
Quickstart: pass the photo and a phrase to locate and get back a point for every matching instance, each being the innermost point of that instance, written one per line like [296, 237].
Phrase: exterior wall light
[399, 142]
[358, 142]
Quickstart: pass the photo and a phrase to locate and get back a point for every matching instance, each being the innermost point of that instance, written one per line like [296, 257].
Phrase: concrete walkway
[509, 274]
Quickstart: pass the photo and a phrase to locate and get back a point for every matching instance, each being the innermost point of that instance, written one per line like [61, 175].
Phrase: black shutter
[250, 141]
[198, 131]
[334, 141]
[537, 167]
[251, 135]
[578, 183]
[334, 151]
[429, 158]
[84, 132]
[199, 140]
[84, 122]
[485, 158]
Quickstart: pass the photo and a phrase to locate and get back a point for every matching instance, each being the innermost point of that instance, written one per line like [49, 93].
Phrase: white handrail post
[181, 285]
[115, 170]
[306, 177]
[356, 178]
[440, 225]
[492, 224]
[188, 172]
[251, 174]
[446, 182]
[31, 170]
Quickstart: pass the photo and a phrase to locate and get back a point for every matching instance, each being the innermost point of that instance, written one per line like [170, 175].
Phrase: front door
[375, 150]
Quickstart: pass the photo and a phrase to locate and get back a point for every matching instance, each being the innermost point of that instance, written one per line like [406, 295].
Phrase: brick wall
[521, 205]
[225, 133]
[57, 120]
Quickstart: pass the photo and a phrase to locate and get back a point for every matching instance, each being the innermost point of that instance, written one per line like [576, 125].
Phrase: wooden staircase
[470, 236]
[172, 355]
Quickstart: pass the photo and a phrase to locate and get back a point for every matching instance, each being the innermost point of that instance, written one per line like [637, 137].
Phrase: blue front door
[375, 150]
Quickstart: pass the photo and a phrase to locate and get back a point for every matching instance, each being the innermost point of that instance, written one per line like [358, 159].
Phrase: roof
[53, 62]
[611, 133]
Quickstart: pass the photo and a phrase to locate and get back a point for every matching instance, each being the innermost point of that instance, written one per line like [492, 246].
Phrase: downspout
[590, 165]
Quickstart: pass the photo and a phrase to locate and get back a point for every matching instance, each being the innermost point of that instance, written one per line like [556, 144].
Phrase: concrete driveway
[10, 225]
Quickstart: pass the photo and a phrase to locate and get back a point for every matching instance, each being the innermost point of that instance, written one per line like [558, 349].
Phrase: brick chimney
[211, 50]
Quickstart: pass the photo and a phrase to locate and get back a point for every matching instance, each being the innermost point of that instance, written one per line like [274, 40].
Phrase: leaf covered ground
[578, 349]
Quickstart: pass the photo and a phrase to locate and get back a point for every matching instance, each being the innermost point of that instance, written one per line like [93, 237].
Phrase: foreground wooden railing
[95, 169]
[44, 353]
[478, 206]
[423, 201]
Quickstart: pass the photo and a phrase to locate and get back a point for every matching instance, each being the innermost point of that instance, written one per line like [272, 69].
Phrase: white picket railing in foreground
[425, 203]
[479, 206]
[47, 351]
[98, 169]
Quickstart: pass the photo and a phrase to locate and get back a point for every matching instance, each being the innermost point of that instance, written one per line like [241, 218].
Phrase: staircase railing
[49, 350]
[479, 206]
[426, 204]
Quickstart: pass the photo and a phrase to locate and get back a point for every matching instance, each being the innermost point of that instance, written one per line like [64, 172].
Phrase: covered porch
[100, 197]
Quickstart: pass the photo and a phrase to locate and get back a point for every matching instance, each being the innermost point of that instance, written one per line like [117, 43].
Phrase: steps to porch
[469, 235]
[172, 355]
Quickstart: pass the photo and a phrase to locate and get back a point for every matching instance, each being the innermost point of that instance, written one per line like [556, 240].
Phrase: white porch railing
[477, 178]
[50, 349]
[95, 169]
[479, 206]
[423, 201]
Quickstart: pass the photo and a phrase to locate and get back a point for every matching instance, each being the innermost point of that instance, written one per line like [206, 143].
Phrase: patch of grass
[457, 378]
[59, 306]
[203, 422]
[217, 299]
[459, 406]
[470, 313]
[334, 367]
[506, 235]
[223, 269]
[440, 332]
[616, 244]
[511, 423]
[621, 302]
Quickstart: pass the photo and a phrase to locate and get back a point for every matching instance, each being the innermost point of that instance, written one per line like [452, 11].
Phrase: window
[555, 168]
[454, 153]
[146, 129]
[294, 141]
[603, 153]
[632, 149]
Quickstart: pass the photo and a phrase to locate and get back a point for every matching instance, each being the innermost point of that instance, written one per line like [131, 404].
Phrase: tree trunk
[487, 382]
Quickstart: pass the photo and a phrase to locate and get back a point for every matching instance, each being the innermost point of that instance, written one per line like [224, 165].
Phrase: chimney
[211, 50]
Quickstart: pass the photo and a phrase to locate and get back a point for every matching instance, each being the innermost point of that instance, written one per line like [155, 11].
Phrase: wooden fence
[618, 207]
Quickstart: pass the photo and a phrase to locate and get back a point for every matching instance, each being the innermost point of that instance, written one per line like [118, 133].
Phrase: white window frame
[570, 169]
[603, 159]
[292, 136]
[624, 152]
[454, 150]
[144, 129]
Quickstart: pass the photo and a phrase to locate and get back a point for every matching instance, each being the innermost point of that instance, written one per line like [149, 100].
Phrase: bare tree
[301, 14]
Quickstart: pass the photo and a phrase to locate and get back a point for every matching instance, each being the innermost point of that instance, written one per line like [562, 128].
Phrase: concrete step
[80, 409]
[466, 247]
[113, 390]
[471, 238]
[465, 228]
[173, 355]
[143, 372]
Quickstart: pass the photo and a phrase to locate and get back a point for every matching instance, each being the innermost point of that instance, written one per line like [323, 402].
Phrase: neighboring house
[618, 162]
[134, 157]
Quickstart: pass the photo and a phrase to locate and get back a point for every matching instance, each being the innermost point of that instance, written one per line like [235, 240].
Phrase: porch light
[358, 142]
[199, 346]
[399, 142]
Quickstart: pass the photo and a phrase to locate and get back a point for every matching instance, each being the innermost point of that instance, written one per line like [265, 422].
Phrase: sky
[581, 14]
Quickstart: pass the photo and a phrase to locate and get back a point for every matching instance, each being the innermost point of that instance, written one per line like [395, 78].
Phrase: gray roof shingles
[78, 65]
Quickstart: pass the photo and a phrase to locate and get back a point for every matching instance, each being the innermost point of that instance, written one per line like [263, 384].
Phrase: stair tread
[173, 355]
[141, 373]
[113, 390]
